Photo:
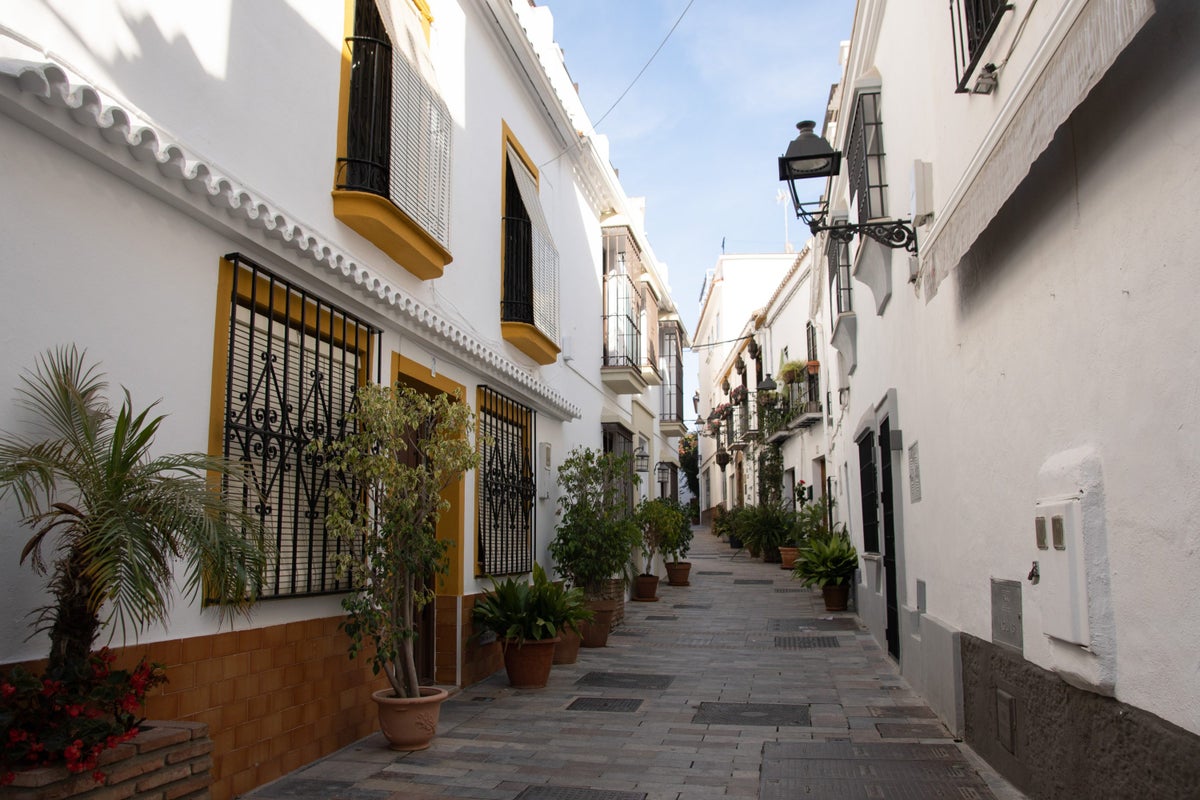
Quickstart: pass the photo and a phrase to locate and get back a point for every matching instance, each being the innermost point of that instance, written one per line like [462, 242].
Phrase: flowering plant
[72, 714]
[738, 394]
[723, 411]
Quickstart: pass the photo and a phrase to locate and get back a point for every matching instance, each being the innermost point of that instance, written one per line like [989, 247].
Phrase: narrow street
[740, 685]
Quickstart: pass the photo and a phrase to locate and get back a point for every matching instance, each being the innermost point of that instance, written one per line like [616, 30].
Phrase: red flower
[129, 703]
[98, 776]
[51, 688]
[7, 777]
[7, 690]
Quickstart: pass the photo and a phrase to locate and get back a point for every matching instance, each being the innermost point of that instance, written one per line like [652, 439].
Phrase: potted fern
[829, 563]
[405, 447]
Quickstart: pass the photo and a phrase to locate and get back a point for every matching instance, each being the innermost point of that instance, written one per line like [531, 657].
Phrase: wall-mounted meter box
[1062, 588]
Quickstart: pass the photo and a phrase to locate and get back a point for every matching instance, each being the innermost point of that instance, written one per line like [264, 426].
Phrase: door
[889, 538]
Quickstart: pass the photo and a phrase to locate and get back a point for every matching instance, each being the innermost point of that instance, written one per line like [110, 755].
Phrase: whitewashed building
[1016, 392]
[188, 188]
[731, 364]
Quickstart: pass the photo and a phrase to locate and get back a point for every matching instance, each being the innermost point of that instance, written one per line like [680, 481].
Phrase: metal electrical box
[1062, 589]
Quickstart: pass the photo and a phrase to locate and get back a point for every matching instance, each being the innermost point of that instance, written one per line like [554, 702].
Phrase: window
[622, 300]
[529, 291]
[671, 365]
[838, 255]
[506, 485]
[972, 23]
[864, 154]
[291, 365]
[868, 491]
[810, 332]
[393, 176]
[618, 440]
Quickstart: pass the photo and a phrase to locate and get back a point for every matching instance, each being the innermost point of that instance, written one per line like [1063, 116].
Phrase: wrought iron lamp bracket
[894, 233]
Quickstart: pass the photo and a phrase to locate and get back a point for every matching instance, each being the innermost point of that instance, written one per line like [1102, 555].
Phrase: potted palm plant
[115, 518]
[404, 449]
[529, 619]
[596, 535]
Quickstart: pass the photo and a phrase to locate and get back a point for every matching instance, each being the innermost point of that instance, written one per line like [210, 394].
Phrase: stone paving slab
[851, 726]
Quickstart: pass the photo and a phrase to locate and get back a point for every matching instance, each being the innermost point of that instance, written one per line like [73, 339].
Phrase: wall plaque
[914, 474]
[1006, 615]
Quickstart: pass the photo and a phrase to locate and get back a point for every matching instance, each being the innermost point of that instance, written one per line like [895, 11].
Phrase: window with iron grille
[293, 363]
[972, 24]
[506, 485]
[810, 332]
[869, 492]
[671, 365]
[838, 255]
[531, 265]
[622, 300]
[399, 128]
[864, 154]
[618, 440]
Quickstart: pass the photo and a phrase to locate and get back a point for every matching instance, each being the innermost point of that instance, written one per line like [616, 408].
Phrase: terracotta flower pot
[645, 588]
[409, 723]
[595, 632]
[678, 573]
[567, 649]
[528, 663]
[788, 556]
[837, 597]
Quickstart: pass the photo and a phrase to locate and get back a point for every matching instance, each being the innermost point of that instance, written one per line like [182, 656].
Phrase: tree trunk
[73, 621]
[412, 684]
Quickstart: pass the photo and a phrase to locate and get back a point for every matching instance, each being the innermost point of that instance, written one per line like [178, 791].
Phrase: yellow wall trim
[530, 341]
[378, 220]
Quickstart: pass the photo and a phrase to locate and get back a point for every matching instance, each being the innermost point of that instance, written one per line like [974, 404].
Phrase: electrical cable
[646, 65]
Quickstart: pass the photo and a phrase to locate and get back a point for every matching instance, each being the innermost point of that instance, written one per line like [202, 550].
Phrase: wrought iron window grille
[972, 25]
[365, 168]
[293, 364]
[507, 486]
[671, 365]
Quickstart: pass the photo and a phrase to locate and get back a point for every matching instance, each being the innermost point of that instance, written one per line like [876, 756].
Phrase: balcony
[622, 368]
[797, 406]
[745, 425]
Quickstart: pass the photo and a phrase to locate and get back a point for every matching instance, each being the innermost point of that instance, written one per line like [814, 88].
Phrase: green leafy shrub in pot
[662, 521]
[765, 527]
[597, 534]
[517, 611]
[826, 561]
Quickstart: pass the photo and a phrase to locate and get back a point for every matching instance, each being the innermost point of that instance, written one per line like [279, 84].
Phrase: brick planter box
[166, 761]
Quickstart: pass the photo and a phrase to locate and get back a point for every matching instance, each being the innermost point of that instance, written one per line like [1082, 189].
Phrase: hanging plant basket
[740, 366]
[725, 385]
[813, 367]
[753, 349]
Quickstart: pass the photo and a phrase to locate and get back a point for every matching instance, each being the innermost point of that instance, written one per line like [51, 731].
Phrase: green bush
[765, 527]
[518, 611]
[826, 562]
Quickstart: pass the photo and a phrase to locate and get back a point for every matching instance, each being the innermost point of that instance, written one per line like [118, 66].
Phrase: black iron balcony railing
[369, 126]
[795, 405]
[517, 302]
[973, 22]
[622, 334]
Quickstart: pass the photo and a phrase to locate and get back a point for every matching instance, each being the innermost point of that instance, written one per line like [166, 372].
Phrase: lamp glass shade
[768, 384]
[641, 460]
[809, 156]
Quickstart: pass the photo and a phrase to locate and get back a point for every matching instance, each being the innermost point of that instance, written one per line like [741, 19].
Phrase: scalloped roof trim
[52, 85]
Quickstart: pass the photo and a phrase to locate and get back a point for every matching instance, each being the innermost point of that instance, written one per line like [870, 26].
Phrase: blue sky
[700, 132]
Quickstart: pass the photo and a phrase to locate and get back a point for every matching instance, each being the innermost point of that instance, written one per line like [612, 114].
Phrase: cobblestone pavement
[738, 686]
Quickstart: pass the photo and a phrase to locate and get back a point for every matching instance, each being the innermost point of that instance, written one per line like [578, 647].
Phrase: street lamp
[722, 459]
[696, 401]
[811, 156]
[641, 459]
[663, 471]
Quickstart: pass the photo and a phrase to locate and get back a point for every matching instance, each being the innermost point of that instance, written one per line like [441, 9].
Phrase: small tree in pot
[404, 449]
[659, 520]
[597, 534]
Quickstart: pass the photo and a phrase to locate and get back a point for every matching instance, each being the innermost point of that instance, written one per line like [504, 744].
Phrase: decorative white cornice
[88, 109]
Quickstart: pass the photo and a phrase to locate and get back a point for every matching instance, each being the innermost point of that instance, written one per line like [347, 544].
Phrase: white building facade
[220, 199]
[1011, 429]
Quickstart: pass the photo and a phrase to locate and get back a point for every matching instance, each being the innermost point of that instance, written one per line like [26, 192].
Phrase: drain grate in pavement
[301, 788]
[902, 712]
[867, 770]
[626, 631]
[913, 730]
[691, 605]
[576, 793]
[625, 680]
[752, 582]
[661, 617]
[621, 705]
[772, 714]
[805, 642]
[713, 572]
[792, 590]
[800, 623]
